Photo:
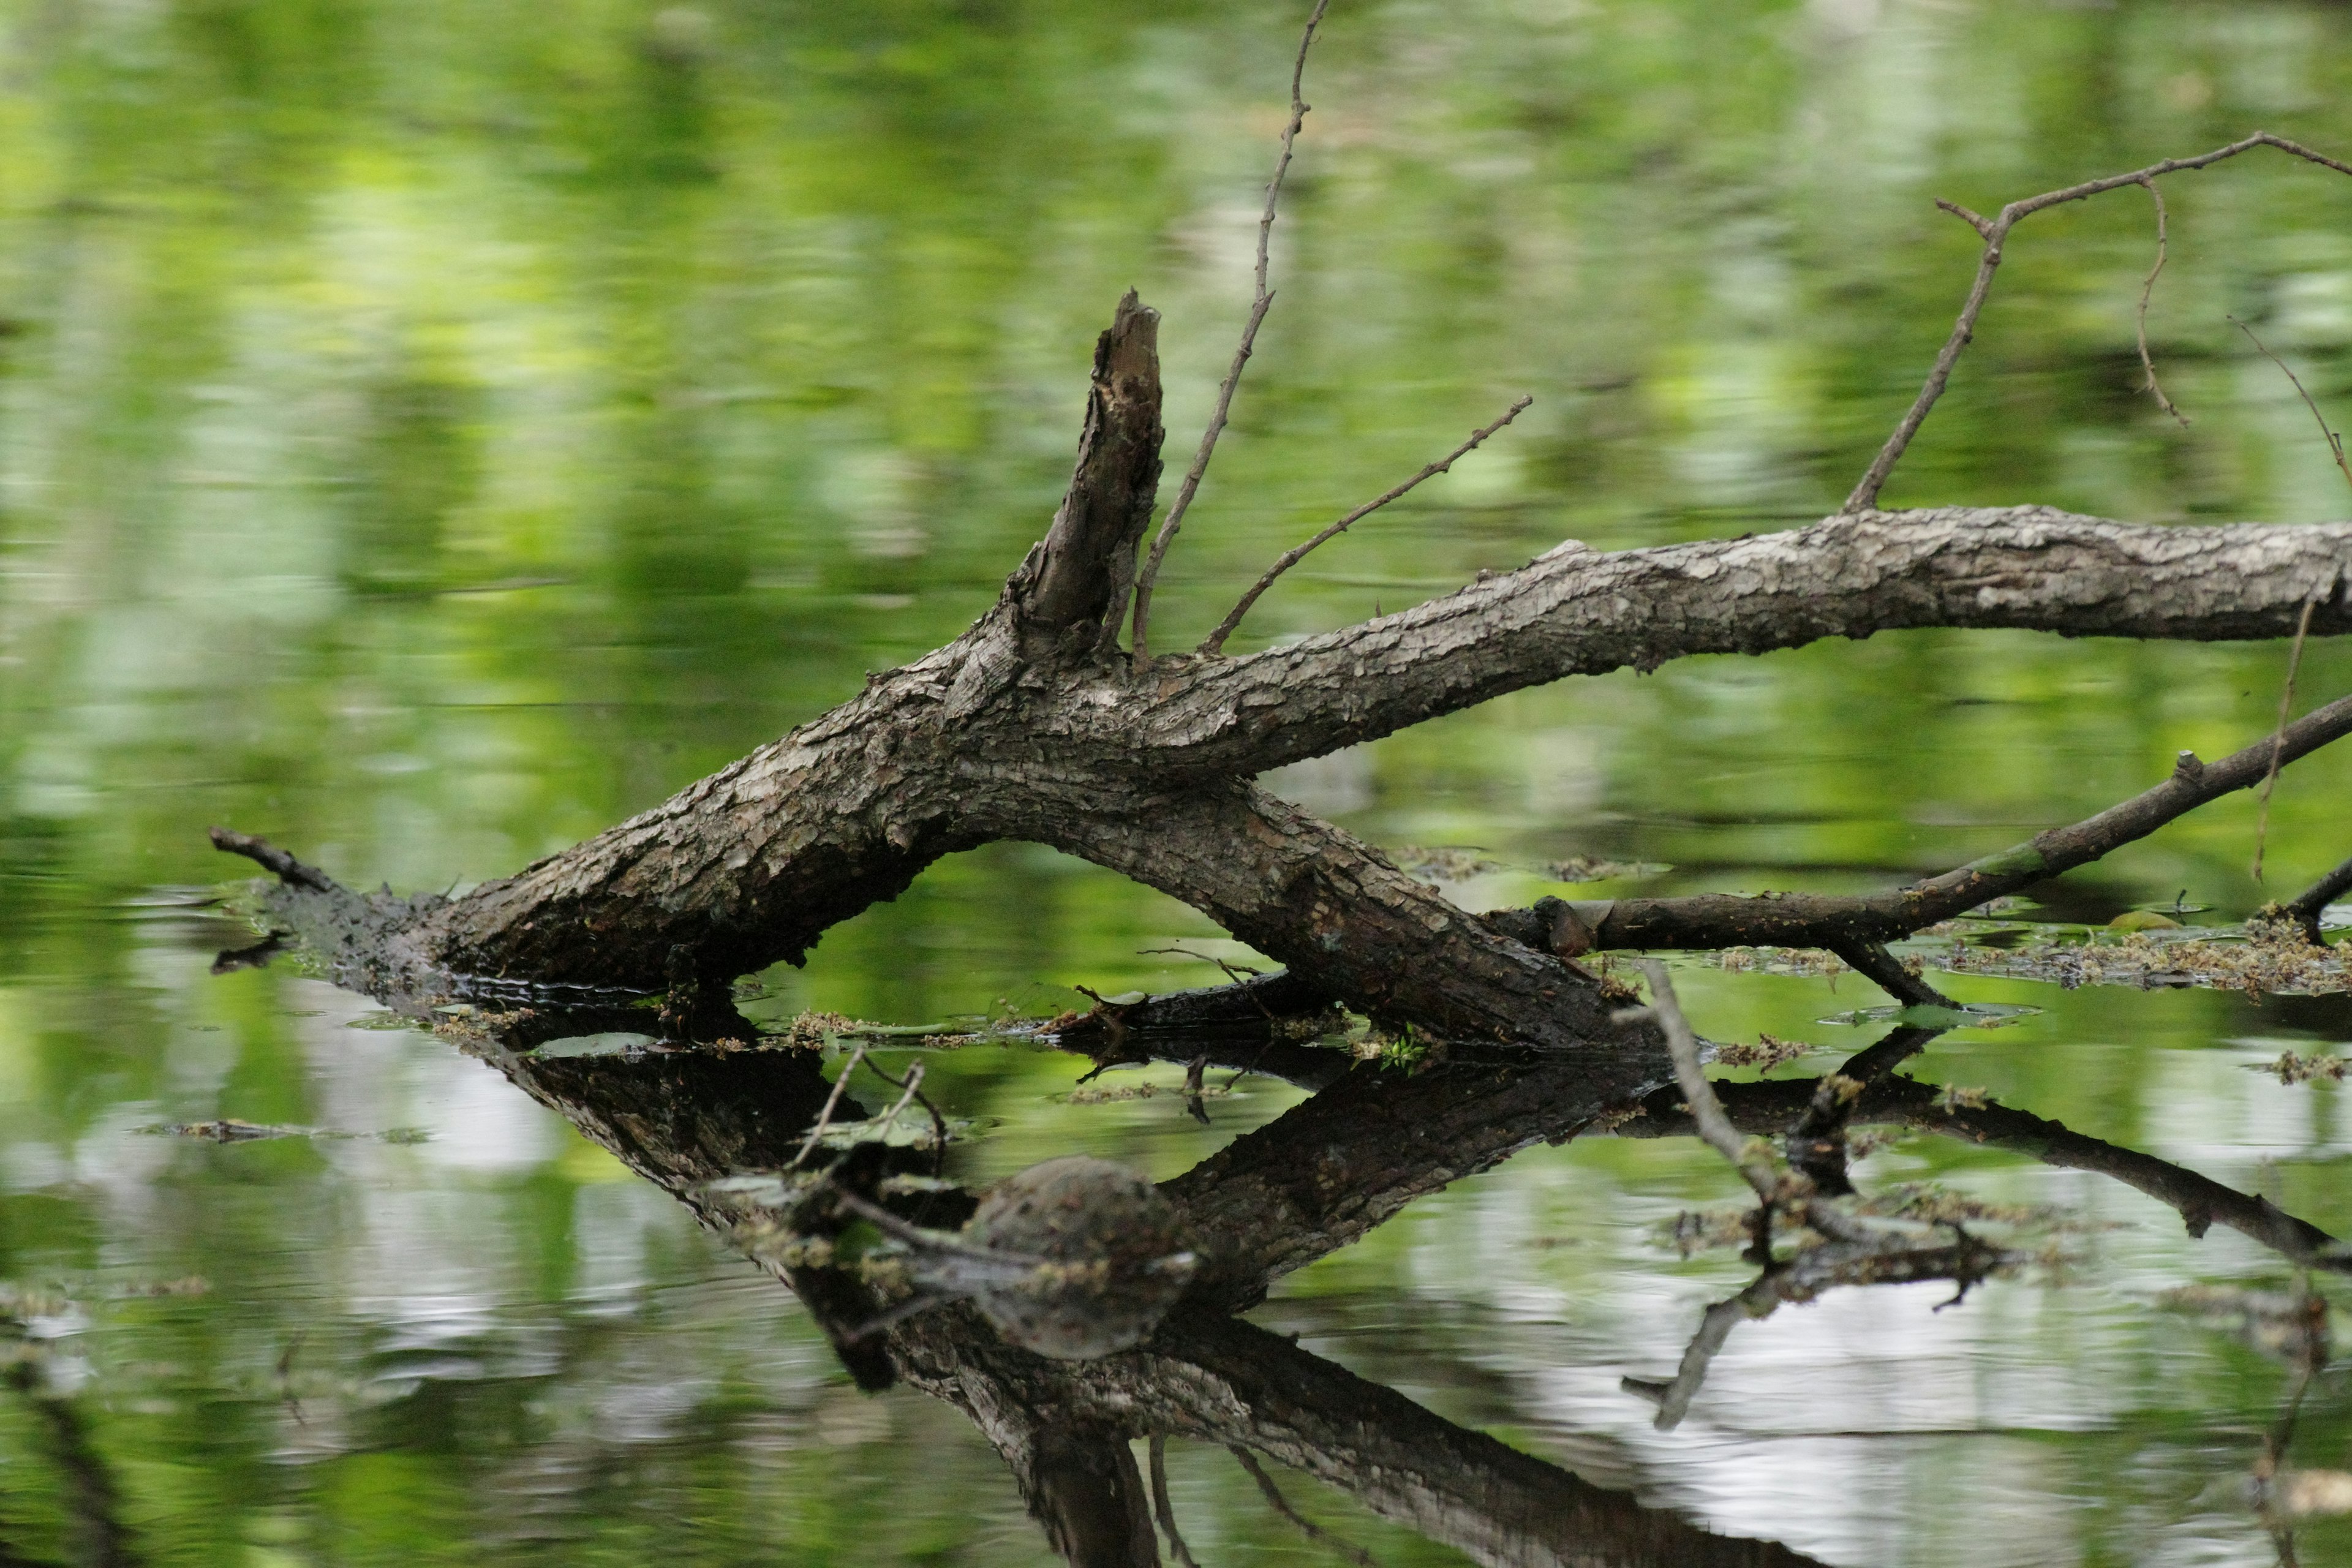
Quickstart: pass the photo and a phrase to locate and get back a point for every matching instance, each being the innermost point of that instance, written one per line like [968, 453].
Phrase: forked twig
[2335, 441]
[2278, 738]
[1994, 232]
[1261, 301]
[2146, 290]
[1215, 641]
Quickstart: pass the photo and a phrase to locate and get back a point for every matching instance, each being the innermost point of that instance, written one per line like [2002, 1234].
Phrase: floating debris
[2294, 1068]
[1139, 1091]
[1445, 864]
[1594, 868]
[2259, 960]
[1770, 1051]
[231, 1129]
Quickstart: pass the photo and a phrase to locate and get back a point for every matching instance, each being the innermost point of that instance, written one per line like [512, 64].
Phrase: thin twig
[2335, 441]
[2278, 738]
[1162, 1508]
[2146, 290]
[1281, 1505]
[1261, 301]
[1994, 231]
[1289, 558]
[824, 1116]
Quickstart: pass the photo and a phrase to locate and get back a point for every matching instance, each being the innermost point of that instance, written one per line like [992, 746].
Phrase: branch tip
[272, 858]
[1215, 641]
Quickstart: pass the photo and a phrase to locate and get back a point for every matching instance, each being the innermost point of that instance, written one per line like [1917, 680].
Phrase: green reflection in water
[432, 434]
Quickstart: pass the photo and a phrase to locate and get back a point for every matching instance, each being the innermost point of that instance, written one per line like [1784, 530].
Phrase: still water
[430, 433]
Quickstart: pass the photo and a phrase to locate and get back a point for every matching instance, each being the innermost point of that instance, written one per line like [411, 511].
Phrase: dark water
[429, 435]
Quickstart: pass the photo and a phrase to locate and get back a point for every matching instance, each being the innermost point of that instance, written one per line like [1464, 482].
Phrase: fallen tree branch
[1815, 920]
[1261, 301]
[1575, 611]
[2306, 907]
[1994, 232]
[1214, 643]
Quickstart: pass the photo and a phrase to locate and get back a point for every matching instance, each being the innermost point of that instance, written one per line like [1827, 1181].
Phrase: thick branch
[1580, 612]
[1343, 919]
[1079, 584]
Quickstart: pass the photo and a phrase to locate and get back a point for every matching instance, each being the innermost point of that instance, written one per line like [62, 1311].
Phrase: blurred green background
[430, 433]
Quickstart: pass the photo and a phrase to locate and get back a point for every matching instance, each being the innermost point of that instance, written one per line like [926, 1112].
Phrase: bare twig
[1261, 301]
[2278, 738]
[1215, 641]
[1162, 1508]
[2335, 441]
[1281, 1505]
[824, 1116]
[2146, 290]
[1994, 231]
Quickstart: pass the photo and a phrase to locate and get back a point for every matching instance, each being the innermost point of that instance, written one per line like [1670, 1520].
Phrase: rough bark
[1034, 726]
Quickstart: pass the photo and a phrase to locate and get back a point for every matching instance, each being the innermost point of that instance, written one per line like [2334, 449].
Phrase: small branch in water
[1261, 300]
[271, 858]
[1874, 964]
[1306, 1527]
[1215, 641]
[2287, 705]
[2306, 908]
[1807, 920]
[1994, 232]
